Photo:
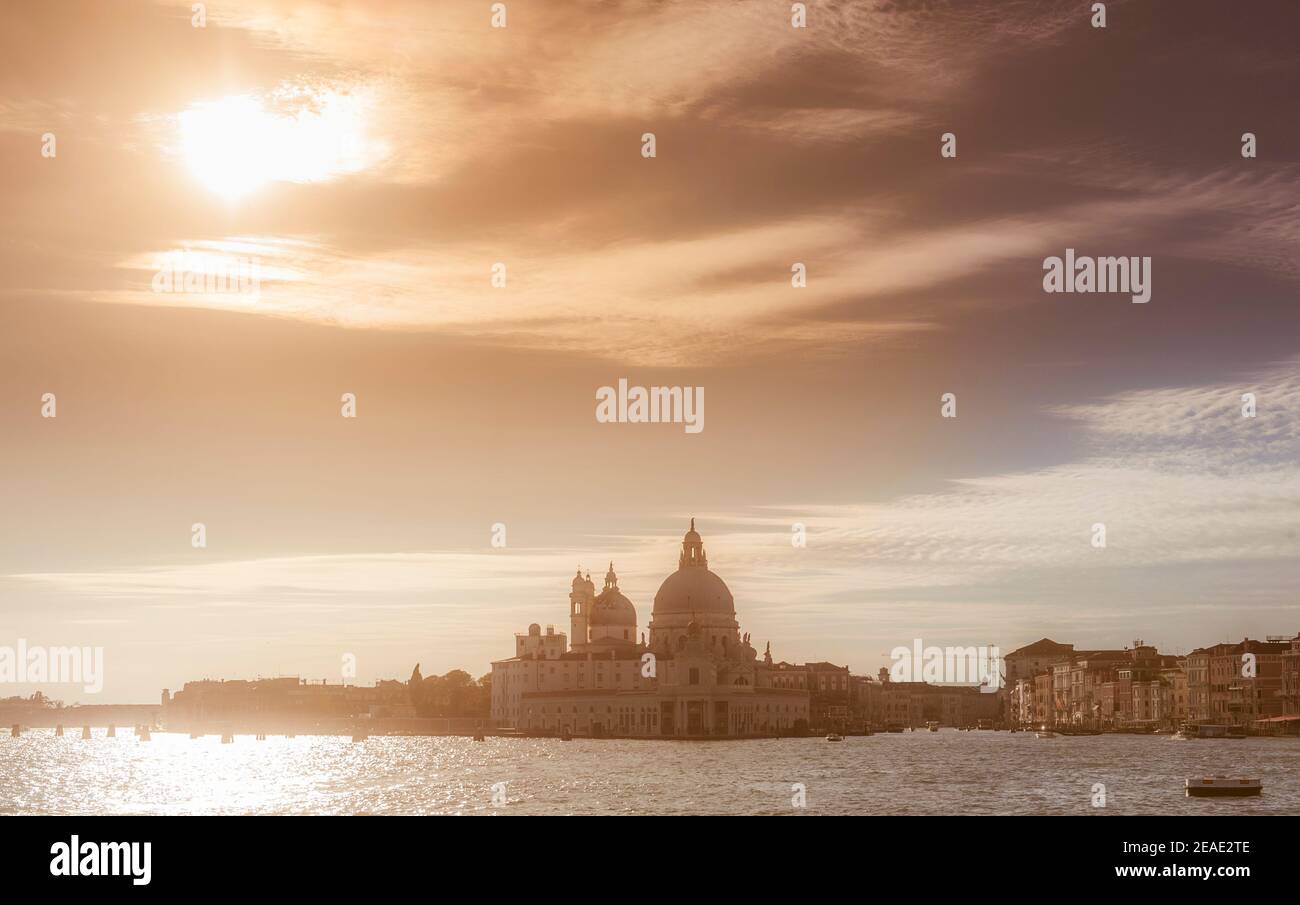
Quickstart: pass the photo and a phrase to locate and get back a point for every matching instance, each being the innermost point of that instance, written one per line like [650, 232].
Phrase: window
[695, 675]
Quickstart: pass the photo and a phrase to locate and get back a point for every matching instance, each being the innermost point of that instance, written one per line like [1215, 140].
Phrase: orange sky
[377, 159]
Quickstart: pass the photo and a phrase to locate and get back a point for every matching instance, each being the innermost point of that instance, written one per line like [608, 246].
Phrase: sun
[240, 143]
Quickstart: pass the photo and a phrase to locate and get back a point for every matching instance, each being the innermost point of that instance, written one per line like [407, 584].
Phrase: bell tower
[580, 600]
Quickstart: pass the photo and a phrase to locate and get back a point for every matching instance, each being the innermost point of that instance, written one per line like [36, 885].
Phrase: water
[947, 772]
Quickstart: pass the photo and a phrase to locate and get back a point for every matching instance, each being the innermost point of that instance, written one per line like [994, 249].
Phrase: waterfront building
[279, 700]
[829, 693]
[1028, 661]
[1045, 698]
[864, 705]
[1176, 678]
[1290, 670]
[1022, 665]
[695, 675]
[917, 703]
[1020, 702]
[1227, 687]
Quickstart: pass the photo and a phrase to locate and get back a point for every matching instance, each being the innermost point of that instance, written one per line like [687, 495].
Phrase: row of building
[1252, 684]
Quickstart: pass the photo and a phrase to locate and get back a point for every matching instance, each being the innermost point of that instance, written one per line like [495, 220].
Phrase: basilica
[695, 676]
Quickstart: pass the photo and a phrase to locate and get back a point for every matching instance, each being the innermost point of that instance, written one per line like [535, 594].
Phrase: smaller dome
[612, 608]
[578, 583]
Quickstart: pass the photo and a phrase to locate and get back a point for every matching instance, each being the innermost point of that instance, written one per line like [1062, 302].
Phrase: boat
[1211, 730]
[1045, 733]
[932, 725]
[834, 737]
[1223, 787]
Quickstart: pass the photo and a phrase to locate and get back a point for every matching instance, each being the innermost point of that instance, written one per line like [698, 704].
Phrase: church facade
[695, 675]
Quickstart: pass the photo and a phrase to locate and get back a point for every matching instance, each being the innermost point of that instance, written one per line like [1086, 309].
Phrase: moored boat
[834, 737]
[1223, 787]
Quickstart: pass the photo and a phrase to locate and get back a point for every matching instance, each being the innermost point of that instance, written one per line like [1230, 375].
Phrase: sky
[376, 160]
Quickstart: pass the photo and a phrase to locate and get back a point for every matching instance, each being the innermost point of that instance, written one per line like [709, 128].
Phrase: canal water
[948, 772]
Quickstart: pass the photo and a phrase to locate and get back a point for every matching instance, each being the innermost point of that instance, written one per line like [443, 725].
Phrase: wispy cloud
[1179, 479]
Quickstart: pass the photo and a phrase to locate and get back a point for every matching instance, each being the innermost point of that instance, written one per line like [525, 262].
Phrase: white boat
[1223, 787]
[1045, 733]
[932, 725]
[834, 737]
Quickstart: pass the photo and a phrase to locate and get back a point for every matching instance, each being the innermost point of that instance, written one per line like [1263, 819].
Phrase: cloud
[1179, 478]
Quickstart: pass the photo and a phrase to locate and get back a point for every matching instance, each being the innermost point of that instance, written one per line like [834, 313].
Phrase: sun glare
[239, 143]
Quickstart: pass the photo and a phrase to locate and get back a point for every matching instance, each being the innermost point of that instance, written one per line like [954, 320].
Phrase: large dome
[694, 589]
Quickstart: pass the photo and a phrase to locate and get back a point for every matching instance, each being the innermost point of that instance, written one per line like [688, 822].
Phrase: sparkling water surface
[947, 772]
